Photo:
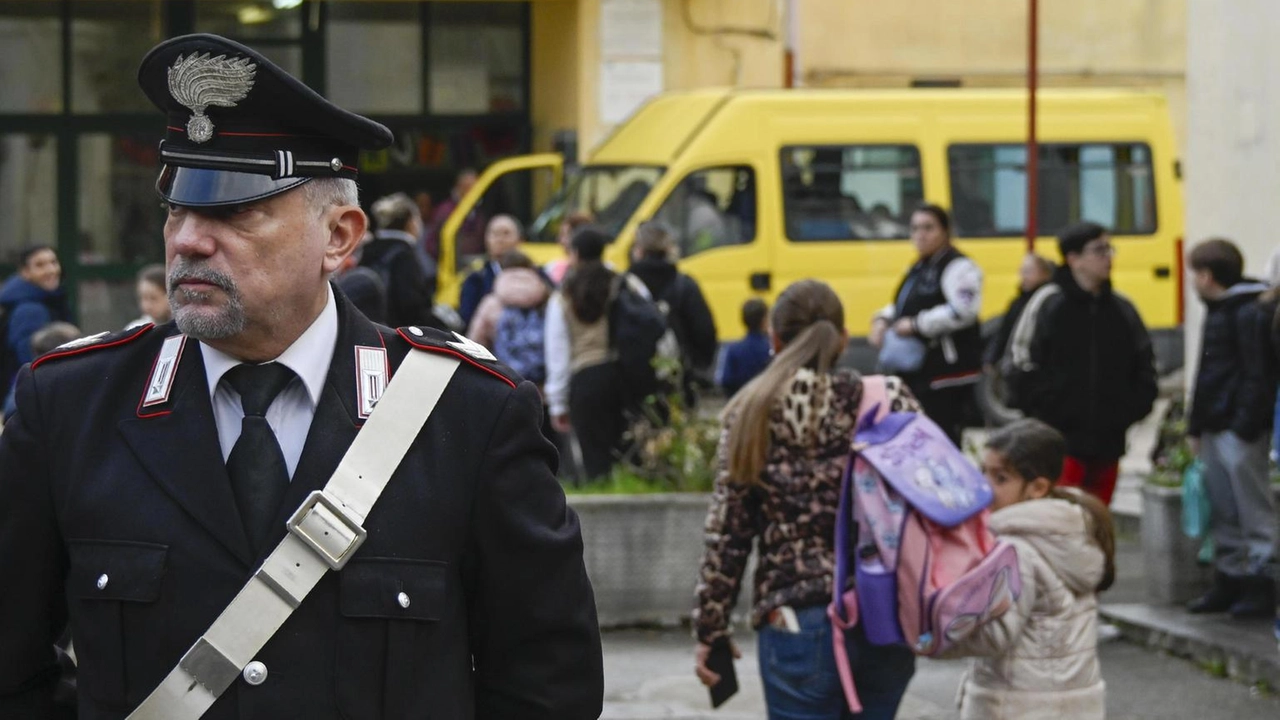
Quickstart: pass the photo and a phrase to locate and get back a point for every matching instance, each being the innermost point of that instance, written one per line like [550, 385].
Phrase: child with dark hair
[1232, 409]
[743, 360]
[1040, 658]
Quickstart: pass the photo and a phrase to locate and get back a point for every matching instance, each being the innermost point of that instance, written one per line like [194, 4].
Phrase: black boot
[1224, 593]
[1258, 600]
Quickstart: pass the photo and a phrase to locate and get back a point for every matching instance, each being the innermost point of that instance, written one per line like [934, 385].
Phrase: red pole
[1033, 154]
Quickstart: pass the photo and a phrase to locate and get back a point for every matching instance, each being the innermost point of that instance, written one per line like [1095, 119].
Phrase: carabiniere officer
[170, 491]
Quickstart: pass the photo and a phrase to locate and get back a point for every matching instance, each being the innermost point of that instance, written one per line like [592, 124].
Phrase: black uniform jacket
[473, 527]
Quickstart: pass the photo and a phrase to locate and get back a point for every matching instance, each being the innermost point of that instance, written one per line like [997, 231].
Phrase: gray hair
[324, 193]
[394, 212]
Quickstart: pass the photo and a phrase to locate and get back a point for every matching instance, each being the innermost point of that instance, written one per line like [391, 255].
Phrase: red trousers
[1097, 477]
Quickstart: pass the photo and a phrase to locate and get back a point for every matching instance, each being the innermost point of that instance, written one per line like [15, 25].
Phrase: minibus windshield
[607, 193]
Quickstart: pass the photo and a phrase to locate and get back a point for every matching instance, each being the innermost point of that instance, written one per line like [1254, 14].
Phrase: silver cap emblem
[199, 81]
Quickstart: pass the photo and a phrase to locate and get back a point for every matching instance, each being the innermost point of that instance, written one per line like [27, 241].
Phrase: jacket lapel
[180, 451]
[337, 419]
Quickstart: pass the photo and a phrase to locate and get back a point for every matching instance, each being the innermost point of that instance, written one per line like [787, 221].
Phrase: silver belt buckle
[327, 528]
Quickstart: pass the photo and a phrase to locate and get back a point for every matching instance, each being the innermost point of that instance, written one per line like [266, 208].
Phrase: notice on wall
[631, 28]
[625, 85]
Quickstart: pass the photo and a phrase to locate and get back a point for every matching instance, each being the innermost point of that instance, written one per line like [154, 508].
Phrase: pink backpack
[927, 570]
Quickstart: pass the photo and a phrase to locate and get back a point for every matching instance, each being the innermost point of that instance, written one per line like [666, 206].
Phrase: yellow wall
[864, 43]
[1109, 43]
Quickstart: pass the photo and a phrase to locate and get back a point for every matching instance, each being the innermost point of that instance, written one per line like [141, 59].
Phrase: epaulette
[463, 348]
[91, 343]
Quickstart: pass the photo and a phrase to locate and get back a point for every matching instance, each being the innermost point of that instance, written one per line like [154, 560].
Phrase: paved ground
[648, 676]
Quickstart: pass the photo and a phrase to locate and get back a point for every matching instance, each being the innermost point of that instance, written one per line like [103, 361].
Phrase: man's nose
[192, 234]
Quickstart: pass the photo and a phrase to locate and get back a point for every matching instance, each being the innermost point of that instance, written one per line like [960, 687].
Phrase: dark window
[476, 57]
[30, 57]
[850, 192]
[120, 215]
[28, 198]
[712, 208]
[107, 41]
[1108, 183]
[374, 57]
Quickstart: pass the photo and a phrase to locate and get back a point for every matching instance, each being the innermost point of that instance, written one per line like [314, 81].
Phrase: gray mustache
[182, 271]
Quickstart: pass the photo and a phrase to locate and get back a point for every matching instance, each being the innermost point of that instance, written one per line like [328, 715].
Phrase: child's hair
[516, 259]
[753, 313]
[1035, 450]
[809, 321]
[154, 275]
[53, 335]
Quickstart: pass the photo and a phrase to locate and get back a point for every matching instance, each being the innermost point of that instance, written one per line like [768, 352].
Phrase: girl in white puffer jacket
[1040, 659]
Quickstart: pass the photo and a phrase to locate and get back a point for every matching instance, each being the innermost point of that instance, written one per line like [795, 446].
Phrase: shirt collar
[308, 357]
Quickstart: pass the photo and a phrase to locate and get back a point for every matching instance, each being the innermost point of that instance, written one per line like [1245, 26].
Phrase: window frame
[1079, 145]
[907, 145]
[676, 187]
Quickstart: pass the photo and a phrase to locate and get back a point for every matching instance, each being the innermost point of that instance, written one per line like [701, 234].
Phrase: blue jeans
[799, 672]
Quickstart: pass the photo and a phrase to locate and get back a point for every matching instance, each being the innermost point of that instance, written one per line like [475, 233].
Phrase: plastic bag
[1195, 509]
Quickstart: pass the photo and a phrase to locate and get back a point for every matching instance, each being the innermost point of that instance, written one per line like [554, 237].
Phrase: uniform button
[403, 599]
[102, 581]
[416, 331]
[255, 673]
[335, 164]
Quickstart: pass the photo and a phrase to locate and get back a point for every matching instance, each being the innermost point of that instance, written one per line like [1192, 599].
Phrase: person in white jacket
[1040, 659]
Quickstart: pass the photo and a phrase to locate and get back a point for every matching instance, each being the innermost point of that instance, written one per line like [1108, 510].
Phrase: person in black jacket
[1093, 370]
[653, 261]
[147, 476]
[1231, 414]
[1034, 272]
[391, 254]
[937, 305]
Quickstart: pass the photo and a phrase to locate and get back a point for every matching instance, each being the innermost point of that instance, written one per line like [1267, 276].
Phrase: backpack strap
[843, 610]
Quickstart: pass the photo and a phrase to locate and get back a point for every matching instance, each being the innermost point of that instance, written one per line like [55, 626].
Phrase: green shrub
[672, 449]
[1173, 453]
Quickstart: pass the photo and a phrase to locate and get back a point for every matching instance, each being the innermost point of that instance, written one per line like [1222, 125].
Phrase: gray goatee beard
[192, 312]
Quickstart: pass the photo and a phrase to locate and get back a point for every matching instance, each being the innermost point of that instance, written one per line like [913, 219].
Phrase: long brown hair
[588, 283]
[1035, 450]
[808, 321]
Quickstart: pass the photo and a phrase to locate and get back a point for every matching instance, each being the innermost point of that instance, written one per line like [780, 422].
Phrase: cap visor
[200, 187]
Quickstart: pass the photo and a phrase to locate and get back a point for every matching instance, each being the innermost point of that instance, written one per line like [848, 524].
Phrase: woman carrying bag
[783, 446]
[930, 336]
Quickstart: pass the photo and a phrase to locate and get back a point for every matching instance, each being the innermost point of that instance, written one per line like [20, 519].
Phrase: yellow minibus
[768, 187]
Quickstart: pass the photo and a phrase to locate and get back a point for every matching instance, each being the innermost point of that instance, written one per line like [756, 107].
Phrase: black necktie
[259, 476]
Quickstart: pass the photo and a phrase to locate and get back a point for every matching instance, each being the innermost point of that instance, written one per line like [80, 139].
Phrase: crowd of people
[257, 413]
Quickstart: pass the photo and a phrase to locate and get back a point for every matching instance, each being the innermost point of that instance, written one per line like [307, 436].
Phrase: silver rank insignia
[199, 81]
[472, 348]
[371, 377]
[163, 372]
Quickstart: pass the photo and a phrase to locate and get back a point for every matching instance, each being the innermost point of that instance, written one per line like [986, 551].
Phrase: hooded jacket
[687, 311]
[1039, 660]
[1094, 370]
[792, 509]
[515, 287]
[28, 307]
[1235, 383]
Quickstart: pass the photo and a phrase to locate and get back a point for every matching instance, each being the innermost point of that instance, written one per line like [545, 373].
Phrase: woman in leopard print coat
[782, 453]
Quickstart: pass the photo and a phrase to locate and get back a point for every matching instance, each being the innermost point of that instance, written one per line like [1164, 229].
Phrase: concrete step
[1244, 650]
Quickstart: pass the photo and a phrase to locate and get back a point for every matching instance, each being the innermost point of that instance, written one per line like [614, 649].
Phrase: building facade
[465, 82]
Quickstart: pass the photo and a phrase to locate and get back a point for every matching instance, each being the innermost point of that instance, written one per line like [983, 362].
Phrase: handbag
[899, 354]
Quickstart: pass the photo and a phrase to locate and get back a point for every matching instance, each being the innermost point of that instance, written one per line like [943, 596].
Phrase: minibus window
[712, 208]
[610, 194]
[1108, 183]
[849, 192]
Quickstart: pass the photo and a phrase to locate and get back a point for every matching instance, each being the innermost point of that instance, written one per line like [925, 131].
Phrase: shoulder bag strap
[874, 396]
[323, 535]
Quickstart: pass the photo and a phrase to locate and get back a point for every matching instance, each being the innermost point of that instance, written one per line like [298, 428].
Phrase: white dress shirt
[291, 412]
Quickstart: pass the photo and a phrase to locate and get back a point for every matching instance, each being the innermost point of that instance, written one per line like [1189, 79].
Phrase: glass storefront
[79, 141]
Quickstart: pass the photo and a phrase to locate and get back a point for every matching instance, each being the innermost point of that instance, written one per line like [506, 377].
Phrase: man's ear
[346, 225]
